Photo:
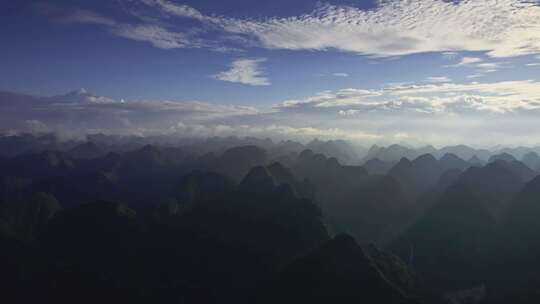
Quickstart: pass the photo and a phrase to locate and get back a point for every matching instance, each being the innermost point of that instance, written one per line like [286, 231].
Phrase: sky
[382, 71]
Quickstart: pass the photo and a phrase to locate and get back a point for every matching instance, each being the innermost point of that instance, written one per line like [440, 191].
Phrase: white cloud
[245, 71]
[449, 55]
[533, 64]
[157, 36]
[175, 9]
[501, 28]
[438, 98]
[438, 79]
[475, 76]
[439, 113]
[469, 61]
[488, 67]
[479, 64]
[73, 15]
[340, 75]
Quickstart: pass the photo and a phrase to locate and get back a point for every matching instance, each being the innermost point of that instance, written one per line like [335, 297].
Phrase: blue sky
[365, 70]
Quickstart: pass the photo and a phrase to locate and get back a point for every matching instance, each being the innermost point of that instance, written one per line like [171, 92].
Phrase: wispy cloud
[438, 79]
[479, 64]
[475, 76]
[438, 98]
[338, 74]
[175, 9]
[501, 28]
[245, 71]
[467, 61]
[73, 15]
[157, 36]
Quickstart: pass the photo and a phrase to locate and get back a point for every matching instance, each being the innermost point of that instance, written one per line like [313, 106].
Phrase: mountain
[503, 156]
[282, 175]
[517, 152]
[341, 271]
[377, 166]
[339, 149]
[86, 150]
[423, 172]
[236, 162]
[476, 162]
[532, 160]
[497, 182]
[370, 207]
[464, 152]
[415, 177]
[452, 161]
[391, 153]
[448, 242]
[519, 246]
[16, 145]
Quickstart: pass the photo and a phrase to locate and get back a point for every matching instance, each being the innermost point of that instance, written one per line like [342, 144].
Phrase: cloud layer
[501, 28]
[440, 98]
[436, 113]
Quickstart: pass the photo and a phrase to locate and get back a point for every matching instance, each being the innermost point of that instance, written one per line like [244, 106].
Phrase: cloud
[245, 71]
[449, 55]
[500, 28]
[475, 76]
[469, 61]
[438, 113]
[73, 15]
[82, 112]
[175, 9]
[434, 99]
[273, 131]
[157, 36]
[488, 67]
[339, 74]
[438, 79]
[479, 64]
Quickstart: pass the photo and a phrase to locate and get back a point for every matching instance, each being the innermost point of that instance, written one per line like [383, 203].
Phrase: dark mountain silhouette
[422, 173]
[518, 152]
[342, 271]
[236, 162]
[417, 175]
[464, 152]
[498, 182]
[446, 245]
[158, 219]
[339, 149]
[477, 162]
[370, 207]
[503, 156]
[532, 160]
[391, 153]
[452, 161]
[377, 166]
[87, 150]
